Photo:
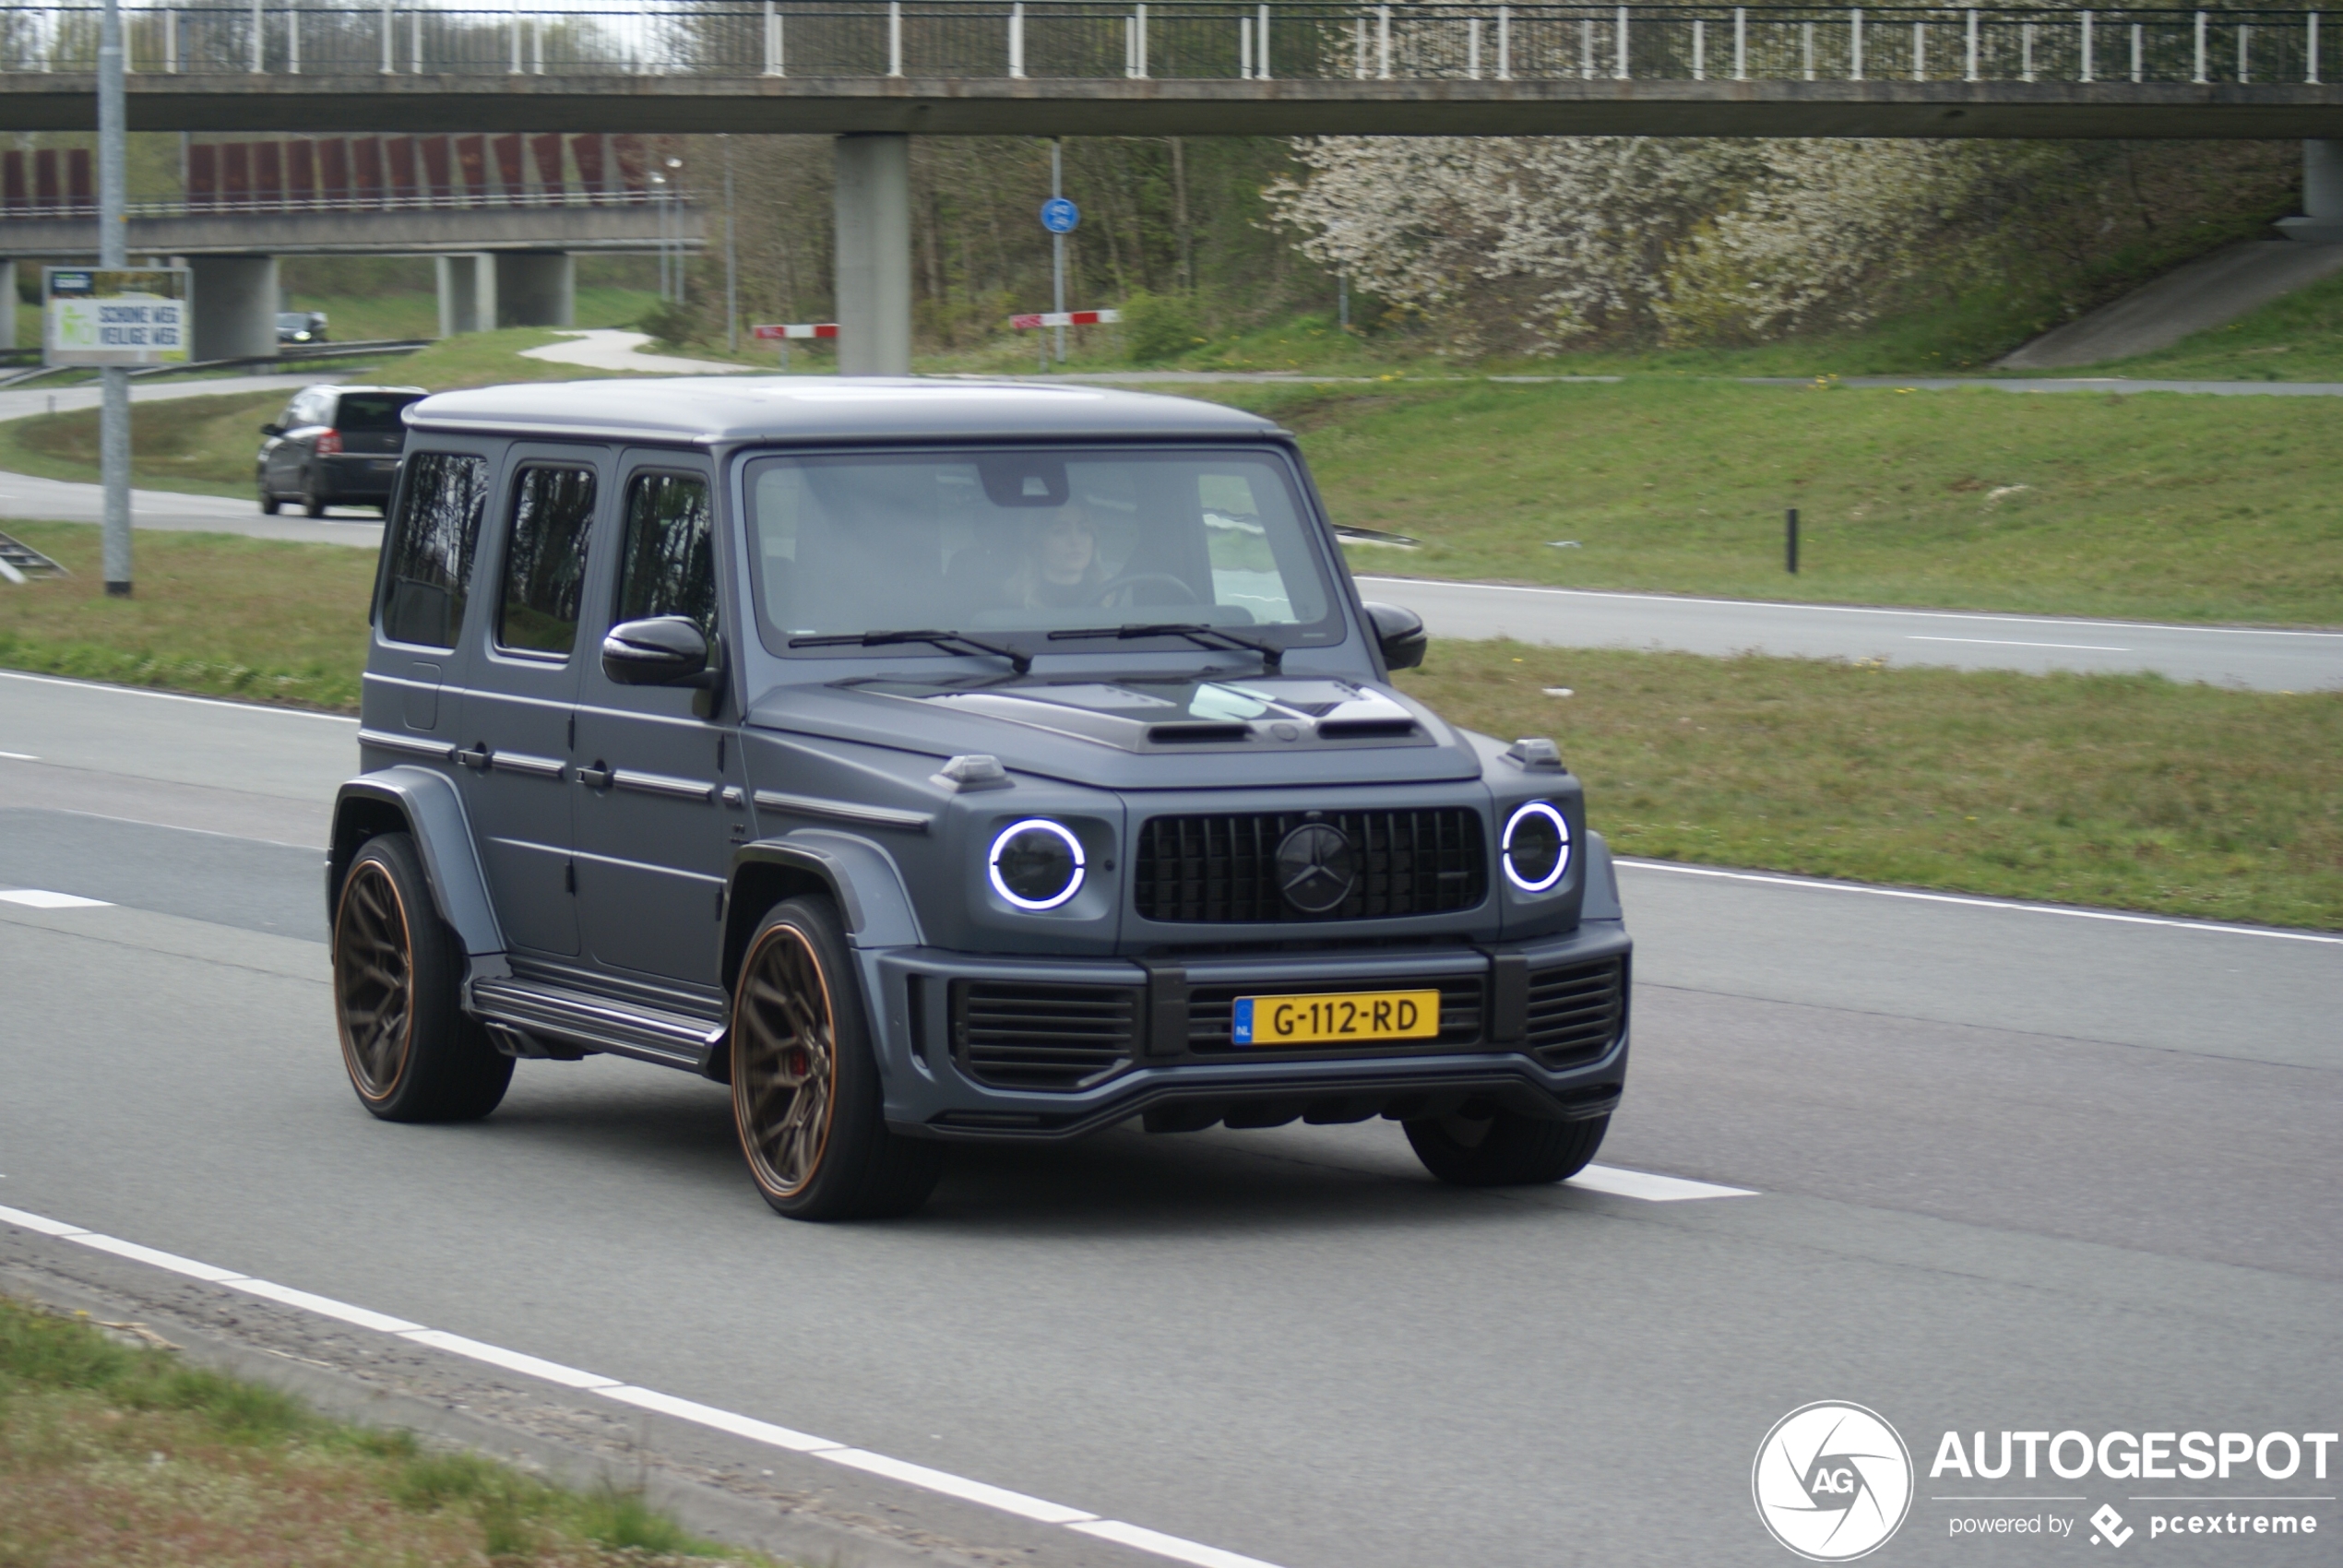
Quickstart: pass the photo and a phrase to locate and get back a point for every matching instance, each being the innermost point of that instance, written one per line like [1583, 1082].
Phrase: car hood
[1136, 731]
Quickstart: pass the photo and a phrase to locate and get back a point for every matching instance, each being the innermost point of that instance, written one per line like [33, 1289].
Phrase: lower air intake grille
[1222, 870]
[1014, 1034]
[1575, 1013]
[1212, 1009]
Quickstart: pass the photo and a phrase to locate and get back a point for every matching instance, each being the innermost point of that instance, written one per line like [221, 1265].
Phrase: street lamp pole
[114, 418]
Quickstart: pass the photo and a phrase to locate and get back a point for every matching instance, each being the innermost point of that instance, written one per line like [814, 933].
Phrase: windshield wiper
[958, 643]
[1272, 657]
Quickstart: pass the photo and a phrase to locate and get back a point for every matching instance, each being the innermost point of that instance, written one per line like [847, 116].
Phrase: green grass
[356, 318]
[200, 445]
[217, 613]
[2125, 791]
[114, 1453]
[2132, 792]
[2162, 506]
[2298, 338]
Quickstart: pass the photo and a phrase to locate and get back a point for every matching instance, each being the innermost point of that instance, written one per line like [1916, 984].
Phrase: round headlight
[1536, 847]
[1037, 863]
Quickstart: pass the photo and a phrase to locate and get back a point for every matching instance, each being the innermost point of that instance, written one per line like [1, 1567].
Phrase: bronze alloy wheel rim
[373, 981]
[784, 1062]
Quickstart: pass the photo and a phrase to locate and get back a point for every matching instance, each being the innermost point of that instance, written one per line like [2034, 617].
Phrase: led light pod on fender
[1535, 850]
[1036, 864]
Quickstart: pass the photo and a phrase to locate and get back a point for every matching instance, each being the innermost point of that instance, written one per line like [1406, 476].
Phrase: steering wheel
[1124, 585]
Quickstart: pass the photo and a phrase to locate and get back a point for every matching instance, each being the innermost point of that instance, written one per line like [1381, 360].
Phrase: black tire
[268, 503]
[1505, 1150]
[311, 503]
[806, 1100]
[411, 1053]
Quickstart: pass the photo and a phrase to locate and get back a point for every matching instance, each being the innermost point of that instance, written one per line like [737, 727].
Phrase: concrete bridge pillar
[874, 275]
[9, 303]
[467, 293]
[234, 300]
[536, 288]
[2321, 220]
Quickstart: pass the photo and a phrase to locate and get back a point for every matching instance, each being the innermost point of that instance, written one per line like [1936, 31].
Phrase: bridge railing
[1194, 39]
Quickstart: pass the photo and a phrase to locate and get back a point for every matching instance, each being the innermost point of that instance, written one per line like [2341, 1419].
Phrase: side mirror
[272, 430]
[667, 650]
[1400, 632]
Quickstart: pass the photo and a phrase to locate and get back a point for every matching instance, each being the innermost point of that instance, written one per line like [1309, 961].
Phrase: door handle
[597, 776]
[471, 756]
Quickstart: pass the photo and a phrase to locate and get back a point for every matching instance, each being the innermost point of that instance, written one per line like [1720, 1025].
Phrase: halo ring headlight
[1036, 864]
[1535, 850]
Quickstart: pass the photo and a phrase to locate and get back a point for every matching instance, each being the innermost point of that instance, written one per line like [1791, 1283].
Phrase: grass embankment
[237, 617]
[2120, 790]
[2298, 338]
[2158, 506]
[2130, 791]
[113, 1455]
[353, 318]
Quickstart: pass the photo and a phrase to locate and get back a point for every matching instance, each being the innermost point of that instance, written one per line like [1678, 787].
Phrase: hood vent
[1365, 729]
[1197, 734]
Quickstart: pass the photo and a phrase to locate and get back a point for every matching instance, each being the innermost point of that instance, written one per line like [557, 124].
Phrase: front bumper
[1538, 1028]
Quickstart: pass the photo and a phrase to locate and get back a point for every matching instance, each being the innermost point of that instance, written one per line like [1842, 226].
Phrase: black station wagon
[937, 762]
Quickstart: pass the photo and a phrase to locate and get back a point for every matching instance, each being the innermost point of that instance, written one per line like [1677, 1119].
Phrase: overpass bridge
[875, 72]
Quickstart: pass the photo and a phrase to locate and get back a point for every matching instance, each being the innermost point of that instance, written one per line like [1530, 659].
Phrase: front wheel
[806, 1099]
[411, 1053]
[1504, 1149]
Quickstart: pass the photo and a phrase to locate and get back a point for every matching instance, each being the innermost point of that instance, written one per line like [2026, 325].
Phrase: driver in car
[1061, 566]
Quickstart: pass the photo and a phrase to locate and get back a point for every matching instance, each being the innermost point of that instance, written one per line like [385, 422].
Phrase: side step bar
[532, 1008]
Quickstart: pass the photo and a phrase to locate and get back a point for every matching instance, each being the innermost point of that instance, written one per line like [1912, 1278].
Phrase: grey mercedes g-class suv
[935, 762]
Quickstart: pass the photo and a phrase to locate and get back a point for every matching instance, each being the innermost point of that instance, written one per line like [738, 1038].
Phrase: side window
[310, 408]
[668, 561]
[545, 562]
[428, 567]
[290, 418]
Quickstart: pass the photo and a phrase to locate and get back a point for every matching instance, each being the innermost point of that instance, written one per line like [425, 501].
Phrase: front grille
[1015, 1035]
[1212, 1012]
[1575, 1013]
[1222, 870]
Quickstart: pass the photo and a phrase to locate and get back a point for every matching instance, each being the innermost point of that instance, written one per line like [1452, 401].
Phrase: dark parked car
[301, 327]
[334, 446]
[941, 762]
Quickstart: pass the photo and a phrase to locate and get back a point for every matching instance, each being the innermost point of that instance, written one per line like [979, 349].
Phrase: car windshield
[1018, 540]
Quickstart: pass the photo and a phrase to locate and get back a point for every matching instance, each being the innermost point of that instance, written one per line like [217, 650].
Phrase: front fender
[427, 806]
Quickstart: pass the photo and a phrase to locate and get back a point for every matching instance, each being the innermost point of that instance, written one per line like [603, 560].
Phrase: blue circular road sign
[1059, 216]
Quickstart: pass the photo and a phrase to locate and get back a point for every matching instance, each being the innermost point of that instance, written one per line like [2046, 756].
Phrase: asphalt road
[2011, 1169]
[2261, 658]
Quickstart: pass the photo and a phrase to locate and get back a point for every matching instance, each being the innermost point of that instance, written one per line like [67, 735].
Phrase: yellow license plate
[1335, 1017]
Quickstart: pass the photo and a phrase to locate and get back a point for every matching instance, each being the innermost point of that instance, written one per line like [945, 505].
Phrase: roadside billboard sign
[112, 316]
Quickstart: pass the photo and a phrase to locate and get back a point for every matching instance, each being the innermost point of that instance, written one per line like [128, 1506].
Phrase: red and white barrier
[1067, 318]
[787, 330]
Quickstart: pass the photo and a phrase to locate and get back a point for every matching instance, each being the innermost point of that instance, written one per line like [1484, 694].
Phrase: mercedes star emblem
[1316, 868]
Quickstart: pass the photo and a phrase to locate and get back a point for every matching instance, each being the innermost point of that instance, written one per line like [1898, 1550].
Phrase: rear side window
[370, 411]
[428, 567]
[545, 563]
[669, 567]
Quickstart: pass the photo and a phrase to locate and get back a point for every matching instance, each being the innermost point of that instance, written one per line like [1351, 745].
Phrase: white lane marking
[171, 1261]
[1136, 1537]
[955, 1486]
[2007, 642]
[19, 756]
[175, 696]
[1969, 615]
[324, 1306]
[511, 1360]
[1649, 1187]
[1818, 886]
[1172, 1547]
[748, 1427]
[38, 1224]
[41, 898]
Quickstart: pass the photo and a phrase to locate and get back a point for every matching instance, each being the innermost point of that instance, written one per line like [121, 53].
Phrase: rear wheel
[268, 503]
[411, 1053]
[311, 502]
[806, 1085]
[1504, 1149]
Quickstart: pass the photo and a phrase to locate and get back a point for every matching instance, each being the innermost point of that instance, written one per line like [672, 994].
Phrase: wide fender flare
[1601, 899]
[434, 816]
[873, 901]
